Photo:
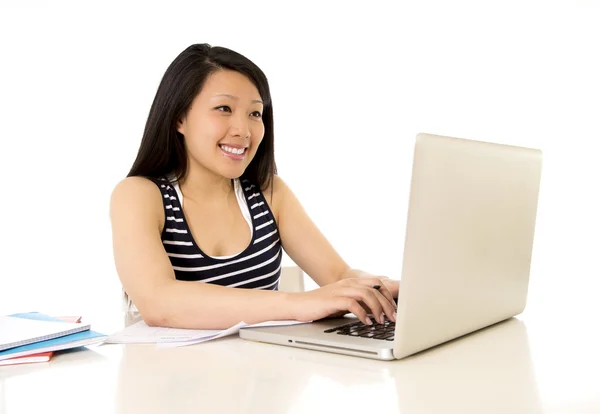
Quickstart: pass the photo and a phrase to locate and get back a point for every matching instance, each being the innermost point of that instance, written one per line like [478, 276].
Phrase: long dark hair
[162, 150]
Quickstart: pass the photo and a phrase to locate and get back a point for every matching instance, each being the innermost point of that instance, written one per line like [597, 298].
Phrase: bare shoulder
[279, 186]
[136, 196]
[276, 194]
[137, 190]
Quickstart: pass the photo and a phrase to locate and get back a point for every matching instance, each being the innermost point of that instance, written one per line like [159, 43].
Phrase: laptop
[467, 253]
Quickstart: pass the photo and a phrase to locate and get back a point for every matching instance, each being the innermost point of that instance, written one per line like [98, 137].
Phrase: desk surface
[543, 364]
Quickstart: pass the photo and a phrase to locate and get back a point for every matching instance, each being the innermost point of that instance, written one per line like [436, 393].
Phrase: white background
[352, 85]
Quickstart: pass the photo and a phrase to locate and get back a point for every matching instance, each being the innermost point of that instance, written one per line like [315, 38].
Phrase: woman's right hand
[355, 295]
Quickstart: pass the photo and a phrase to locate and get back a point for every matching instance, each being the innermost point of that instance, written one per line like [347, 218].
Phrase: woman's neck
[205, 185]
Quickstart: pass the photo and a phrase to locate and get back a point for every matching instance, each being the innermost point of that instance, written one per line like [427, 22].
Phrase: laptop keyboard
[384, 332]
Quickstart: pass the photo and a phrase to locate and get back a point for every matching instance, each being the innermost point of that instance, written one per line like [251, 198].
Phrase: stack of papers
[141, 333]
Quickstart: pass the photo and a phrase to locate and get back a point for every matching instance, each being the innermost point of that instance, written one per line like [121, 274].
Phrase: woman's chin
[231, 173]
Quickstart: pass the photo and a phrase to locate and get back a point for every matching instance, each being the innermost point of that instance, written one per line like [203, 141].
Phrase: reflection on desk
[489, 371]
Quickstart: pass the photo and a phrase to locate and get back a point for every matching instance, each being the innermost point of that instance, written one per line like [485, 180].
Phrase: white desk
[546, 364]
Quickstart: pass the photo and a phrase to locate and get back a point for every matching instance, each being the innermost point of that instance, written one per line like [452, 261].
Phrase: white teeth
[233, 150]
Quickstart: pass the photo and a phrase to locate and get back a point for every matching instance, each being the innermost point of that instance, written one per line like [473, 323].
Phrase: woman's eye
[256, 114]
[223, 108]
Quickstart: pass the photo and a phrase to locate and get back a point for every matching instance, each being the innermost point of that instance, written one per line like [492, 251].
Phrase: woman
[203, 203]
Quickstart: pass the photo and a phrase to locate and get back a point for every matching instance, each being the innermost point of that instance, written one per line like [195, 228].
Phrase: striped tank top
[256, 267]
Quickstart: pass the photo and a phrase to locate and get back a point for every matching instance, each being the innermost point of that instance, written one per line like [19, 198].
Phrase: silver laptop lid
[469, 239]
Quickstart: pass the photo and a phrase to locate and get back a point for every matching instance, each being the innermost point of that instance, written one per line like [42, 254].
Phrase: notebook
[28, 359]
[41, 357]
[16, 330]
[83, 338]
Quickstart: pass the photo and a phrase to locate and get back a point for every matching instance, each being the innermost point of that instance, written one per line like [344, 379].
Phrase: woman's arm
[147, 276]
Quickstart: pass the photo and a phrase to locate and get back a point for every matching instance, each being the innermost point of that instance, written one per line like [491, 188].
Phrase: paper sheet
[230, 331]
[139, 333]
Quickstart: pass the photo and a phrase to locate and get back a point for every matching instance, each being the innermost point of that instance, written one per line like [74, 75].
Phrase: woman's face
[223, 127]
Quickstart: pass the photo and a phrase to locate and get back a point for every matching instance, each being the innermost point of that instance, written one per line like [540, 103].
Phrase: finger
[373, 281]
[388, 307]
[366, 295]
[393, 286]
[385, 291]
[365, 307]
[354, 307]
[379, 305]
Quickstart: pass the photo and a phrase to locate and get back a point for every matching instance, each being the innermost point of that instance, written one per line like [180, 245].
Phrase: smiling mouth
[232, 150]
[236, 154]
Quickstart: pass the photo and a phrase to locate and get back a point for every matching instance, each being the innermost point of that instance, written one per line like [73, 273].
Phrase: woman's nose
[240, 127]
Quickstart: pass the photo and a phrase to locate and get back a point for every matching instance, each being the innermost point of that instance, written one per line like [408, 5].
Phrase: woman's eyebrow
[235, 98]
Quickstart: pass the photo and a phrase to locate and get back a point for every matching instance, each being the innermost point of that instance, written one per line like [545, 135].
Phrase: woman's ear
[181, 126]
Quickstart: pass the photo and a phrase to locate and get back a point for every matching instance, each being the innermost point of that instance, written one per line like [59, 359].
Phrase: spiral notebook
[16, 331]
[76, 340]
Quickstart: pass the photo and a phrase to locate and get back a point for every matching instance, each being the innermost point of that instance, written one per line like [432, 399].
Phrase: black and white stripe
[257, 267]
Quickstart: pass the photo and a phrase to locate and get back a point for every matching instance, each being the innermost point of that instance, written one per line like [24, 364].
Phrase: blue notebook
[75, 340]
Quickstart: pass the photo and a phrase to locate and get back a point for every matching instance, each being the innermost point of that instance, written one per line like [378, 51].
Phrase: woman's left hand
[391, 285]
